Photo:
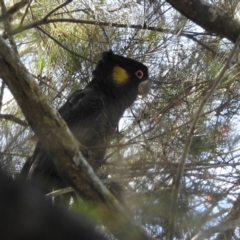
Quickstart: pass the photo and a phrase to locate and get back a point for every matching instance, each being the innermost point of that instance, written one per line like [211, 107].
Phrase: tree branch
[58, 7]
[1, 95]
[45, 21]
[14, 119]
[208, 17]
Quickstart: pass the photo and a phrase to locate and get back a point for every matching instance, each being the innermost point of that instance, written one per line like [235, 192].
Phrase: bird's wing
[80, 112]
[82, 106]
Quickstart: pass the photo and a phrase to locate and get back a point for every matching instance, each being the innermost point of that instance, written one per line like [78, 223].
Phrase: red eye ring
[139, 74]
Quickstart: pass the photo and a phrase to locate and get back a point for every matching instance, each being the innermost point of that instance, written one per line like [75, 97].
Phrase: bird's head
[121, 73]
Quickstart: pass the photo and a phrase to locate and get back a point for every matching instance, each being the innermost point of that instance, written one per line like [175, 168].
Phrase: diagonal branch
[55, 9]
[54, 134]
[177, 184]
[209, 17]
[13, 119]
[61, 45]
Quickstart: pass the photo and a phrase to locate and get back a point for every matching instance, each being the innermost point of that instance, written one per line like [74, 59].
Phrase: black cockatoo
[92, 114]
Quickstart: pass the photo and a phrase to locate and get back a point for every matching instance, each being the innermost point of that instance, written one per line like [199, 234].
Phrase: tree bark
[209, 17]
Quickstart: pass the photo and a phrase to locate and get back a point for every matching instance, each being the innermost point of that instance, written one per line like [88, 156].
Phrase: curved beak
[144, 88]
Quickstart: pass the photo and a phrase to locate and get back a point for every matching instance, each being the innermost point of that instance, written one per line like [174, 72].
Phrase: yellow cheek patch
[120, 75]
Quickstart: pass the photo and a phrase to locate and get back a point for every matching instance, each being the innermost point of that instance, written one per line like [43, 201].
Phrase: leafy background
[183, 60]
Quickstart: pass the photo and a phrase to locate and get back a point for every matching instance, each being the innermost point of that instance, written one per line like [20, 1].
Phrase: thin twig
[55, 9]
[70, 189]
[201, 44]
[13, 119]
[60, 192]
[44, 21]
[60, 44]
[25, 13]
[1, 95]
[177, 184]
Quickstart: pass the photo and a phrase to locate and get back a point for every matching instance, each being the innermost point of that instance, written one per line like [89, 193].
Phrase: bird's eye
[139, 74]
